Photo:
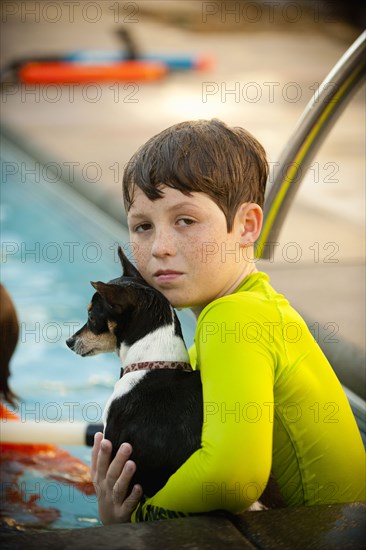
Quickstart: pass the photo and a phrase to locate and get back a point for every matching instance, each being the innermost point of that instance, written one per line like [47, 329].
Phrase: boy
[194, 196]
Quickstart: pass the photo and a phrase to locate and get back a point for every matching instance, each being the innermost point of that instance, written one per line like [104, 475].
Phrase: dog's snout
[70, 342]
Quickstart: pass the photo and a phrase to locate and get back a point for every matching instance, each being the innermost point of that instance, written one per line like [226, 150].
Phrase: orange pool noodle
[62, 73]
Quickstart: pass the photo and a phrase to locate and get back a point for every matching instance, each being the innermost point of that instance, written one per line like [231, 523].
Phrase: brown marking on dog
[88, 342]
[111, 326]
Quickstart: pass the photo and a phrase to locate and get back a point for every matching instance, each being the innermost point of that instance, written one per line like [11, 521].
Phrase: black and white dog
[156, 405]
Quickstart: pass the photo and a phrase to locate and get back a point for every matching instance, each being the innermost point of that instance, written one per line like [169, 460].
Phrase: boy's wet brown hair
[206, 156]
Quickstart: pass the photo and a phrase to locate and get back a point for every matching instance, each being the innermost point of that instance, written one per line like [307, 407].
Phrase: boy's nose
[163, 244]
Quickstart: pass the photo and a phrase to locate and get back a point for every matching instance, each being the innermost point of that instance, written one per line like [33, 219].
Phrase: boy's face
[182, 247]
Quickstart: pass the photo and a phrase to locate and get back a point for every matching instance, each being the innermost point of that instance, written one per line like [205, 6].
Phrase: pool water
[53, 243]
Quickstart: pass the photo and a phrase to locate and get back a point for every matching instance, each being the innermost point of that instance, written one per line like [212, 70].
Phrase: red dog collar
[154, 365]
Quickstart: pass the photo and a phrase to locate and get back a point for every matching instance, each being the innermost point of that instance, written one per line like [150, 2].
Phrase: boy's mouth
[167, 275]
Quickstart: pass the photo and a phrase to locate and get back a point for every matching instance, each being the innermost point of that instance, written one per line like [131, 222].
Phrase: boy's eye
[142, 227]
[185, 221]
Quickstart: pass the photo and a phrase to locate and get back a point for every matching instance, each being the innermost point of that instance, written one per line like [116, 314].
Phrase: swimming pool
[53, 243]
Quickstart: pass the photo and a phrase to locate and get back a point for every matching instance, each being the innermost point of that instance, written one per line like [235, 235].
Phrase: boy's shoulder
[254, 299]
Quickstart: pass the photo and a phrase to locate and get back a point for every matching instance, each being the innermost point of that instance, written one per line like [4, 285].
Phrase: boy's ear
[250, 217]
[118, 297]
[128, 269]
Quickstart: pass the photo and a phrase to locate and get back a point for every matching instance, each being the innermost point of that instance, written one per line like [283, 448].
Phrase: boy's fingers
[94, 455]
[118, 463]
[104, 458]
[131, 503]
[121, 486]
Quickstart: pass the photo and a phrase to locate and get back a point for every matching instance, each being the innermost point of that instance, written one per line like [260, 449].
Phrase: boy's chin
[176, 301]
[175, 297]
[183, 304]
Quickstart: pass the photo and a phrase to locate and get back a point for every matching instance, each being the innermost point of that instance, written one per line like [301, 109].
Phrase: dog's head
[121, 312]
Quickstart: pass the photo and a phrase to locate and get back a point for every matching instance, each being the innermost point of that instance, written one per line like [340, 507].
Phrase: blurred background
[264, 62]
[64, 147]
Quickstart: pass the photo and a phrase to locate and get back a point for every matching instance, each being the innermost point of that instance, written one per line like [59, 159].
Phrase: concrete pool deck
[335, 527]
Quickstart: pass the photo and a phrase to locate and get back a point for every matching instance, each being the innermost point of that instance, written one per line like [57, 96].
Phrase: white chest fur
[160, 345]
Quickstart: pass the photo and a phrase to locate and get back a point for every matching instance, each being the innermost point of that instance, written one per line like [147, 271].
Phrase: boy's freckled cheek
[191, 248]
[141, 257]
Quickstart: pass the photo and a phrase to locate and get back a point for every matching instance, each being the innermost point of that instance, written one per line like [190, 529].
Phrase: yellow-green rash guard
[271, 402]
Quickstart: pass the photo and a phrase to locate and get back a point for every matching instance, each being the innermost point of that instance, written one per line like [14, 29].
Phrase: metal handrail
[317, 120]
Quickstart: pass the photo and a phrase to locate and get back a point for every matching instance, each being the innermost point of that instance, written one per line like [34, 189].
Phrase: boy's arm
[232, 467]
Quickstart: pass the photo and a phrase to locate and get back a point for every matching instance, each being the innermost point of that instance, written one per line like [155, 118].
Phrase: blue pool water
[53, 243]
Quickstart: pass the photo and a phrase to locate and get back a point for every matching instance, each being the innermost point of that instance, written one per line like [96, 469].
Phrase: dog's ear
[118, 297]
[129, 270]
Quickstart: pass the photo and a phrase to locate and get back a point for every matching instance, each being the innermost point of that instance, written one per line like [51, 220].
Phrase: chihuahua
[156, 405]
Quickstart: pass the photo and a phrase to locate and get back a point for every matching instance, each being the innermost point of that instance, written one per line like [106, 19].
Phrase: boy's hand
[111, 481]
